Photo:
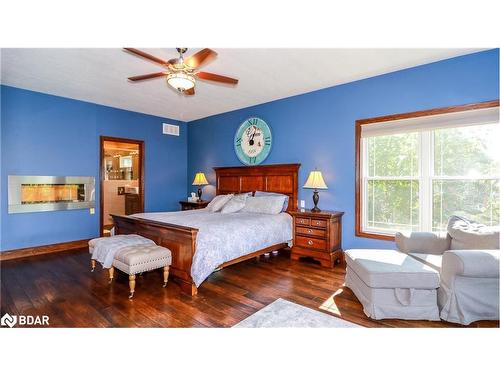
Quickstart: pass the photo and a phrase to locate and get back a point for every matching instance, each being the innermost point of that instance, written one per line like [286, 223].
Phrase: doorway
[121, 179]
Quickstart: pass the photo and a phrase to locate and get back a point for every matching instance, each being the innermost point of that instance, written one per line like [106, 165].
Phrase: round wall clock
[252, 141]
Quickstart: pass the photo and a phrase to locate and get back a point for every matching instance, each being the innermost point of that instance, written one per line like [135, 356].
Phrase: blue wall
[317, 129]
[49, 135]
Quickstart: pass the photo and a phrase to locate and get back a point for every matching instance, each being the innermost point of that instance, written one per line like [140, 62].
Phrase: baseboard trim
[40, 250]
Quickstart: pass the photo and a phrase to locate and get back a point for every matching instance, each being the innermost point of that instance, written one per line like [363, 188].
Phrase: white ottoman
[391, 285]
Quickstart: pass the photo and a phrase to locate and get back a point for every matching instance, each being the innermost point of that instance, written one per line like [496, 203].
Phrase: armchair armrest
[423, 242]
[471, 263]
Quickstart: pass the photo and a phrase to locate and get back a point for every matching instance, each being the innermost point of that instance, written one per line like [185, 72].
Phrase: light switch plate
[92, 211]
[302, 203]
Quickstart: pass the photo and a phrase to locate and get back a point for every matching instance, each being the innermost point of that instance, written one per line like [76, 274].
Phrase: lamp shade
[200, 179]
[315, 181]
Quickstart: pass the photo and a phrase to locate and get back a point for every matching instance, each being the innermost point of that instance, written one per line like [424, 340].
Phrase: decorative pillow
[235, 204]
[265, 205]
[267, 194]
[467, 234]
[218, 202]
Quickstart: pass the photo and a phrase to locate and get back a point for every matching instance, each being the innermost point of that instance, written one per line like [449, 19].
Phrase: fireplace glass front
[50, 193]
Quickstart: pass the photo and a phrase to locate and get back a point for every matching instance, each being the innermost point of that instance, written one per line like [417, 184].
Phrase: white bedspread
[224, 237]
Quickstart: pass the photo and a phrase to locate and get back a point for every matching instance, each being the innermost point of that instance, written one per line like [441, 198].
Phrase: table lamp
[200, 180]
[315, 181]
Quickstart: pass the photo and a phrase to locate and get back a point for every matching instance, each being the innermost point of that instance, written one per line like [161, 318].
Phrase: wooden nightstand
[317, 235]
[185, 205]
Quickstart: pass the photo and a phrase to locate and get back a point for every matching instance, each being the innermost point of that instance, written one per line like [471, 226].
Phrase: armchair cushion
[432, 260]
[468, 234]
[422, 242]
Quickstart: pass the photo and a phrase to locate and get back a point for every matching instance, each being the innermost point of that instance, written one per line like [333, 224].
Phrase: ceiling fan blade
[146, 56]
[216, 78]
[189, 92]
[200, 57]
[147, 76]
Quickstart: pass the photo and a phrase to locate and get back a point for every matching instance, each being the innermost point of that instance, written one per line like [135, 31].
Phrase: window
[125, 161]
[392, 182]
[466, 174]
[415, 170]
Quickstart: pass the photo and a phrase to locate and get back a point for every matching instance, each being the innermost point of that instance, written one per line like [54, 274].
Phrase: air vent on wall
[171, 129]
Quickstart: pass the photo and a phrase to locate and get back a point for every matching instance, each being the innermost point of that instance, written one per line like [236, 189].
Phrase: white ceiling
[100, 75]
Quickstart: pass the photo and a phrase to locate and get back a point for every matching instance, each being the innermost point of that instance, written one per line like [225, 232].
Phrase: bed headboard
[275, 178]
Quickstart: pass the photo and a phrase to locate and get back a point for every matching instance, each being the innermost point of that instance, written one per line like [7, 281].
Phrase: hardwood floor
[62, 286]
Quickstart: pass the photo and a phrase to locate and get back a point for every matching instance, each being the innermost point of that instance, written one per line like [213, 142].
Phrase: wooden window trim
[363, 122]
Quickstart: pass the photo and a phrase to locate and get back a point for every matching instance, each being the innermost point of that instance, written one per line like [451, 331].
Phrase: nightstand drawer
[310, 242]
[318, 223]
[311, 232]
[302, 221]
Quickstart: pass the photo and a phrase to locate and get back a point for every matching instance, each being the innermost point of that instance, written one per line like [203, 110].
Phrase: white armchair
[469, 286]
[468, 260]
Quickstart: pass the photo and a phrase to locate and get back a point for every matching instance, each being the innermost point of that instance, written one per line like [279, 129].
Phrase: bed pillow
[218, 202]
[266, 194]
[265, 205]
[235, 204]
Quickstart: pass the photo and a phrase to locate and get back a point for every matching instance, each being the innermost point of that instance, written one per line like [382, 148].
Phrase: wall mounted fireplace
[50, 193]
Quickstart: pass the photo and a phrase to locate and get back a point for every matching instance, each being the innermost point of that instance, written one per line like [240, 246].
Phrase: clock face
[252, 141]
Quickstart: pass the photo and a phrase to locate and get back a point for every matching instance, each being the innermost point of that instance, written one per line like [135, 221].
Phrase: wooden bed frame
[181, 240]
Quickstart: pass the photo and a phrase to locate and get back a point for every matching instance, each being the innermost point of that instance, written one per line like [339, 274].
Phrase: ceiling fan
[181, 72]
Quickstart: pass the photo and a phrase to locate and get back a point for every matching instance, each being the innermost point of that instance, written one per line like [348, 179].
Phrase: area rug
[285, 314]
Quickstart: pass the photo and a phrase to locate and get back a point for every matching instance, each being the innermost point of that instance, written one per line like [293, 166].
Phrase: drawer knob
[310, 242]
[309, 231]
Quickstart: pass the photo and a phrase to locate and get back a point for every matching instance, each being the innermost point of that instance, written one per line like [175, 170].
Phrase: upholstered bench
[104, 248]
[392, 285]
[142, 258]
[131, 254]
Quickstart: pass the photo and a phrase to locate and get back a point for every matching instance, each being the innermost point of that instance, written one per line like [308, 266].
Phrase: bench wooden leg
[111, 274]
[92, 265]
[165, 275]
[131, 284]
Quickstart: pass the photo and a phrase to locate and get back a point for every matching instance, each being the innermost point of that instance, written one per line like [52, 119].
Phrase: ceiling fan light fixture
[180, 73]
[181, 81]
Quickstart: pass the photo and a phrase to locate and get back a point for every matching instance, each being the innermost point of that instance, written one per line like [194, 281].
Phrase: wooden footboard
[181, 241]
